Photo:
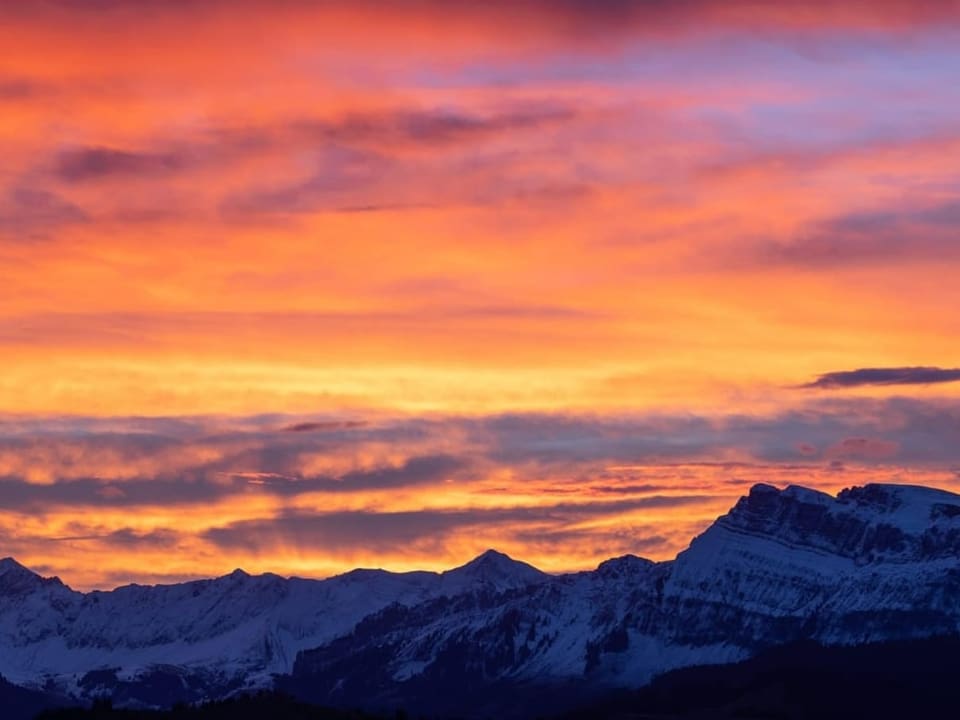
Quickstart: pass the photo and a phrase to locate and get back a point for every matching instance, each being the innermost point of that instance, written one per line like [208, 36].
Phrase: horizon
[491, 551]
[221, 576]
[303, 287]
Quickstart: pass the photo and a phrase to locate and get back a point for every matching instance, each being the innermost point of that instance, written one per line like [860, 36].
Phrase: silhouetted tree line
[902, 680]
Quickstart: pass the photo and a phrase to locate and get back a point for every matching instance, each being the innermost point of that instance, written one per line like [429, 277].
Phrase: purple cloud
[885, 376]
[28, 214]
[94, 163]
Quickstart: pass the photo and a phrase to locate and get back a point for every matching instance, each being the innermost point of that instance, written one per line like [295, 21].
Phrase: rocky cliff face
[875, 563]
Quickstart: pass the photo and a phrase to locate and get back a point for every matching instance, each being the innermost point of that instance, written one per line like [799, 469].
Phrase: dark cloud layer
[89, 463]
[208, 484]
[385, 530]
[323, 426]
[92, 163]
[885, 376]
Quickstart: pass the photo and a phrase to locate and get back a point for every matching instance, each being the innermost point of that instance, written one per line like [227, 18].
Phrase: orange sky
[516, 245]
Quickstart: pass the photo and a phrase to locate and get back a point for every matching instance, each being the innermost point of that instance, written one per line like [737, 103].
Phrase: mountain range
[874, 564]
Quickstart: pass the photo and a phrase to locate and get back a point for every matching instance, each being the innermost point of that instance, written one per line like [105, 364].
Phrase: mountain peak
[763, 492]
[491, 556]
[493, 569]
[9, 566]
[494, 560]
[8, 562]
[16, 579]
[625, 566]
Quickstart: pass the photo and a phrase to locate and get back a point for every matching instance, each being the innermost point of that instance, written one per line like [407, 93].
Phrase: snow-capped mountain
[230, 632]
[875, 563]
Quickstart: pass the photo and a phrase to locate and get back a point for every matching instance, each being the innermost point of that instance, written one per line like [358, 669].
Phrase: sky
[305, 286]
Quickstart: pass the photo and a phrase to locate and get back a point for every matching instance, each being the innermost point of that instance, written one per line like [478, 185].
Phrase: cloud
[863, 448]
[885, 376]
[93, 163]
[141, 462]
[342, 176]
[628, 488]
[17, 89]
[28, 213]
[207, 483]
[159, 329]
[566, 21]
[605, 543]
[871, 237]
[433, 127]
[424, 490]
[127, 538]
[415, 471]
[356, 161]
[329, 426]
[383, 530]
[22, 496]
[404, 158]
[566, 438]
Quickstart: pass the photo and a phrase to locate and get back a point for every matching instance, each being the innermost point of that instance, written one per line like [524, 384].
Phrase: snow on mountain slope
[874, 563]
[239, 624]
[491, 571]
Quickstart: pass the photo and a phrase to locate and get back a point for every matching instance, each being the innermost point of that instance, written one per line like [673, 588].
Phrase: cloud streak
[92, 163]
[373, 531]
[328, 426]
[209, 484]
[884, 376]
[867, 238]
[29, 214]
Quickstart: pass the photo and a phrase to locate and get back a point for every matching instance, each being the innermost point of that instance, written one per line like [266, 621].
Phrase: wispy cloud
[327, 426]
[869, 238]
[884, 376]
[92, 163]
[28, 213]
[378, 531]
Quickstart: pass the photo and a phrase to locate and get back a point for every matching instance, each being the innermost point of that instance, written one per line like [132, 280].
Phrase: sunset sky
[304, 286]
